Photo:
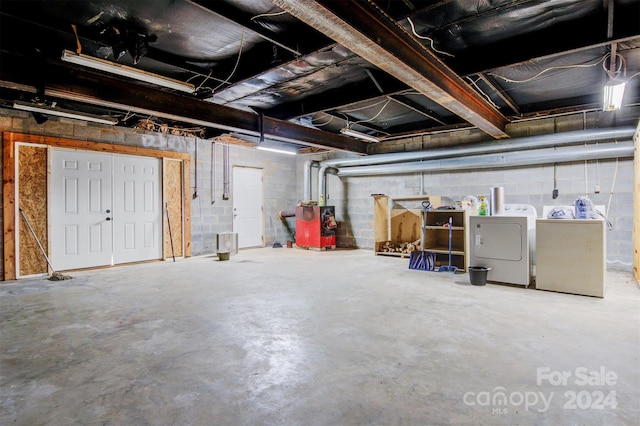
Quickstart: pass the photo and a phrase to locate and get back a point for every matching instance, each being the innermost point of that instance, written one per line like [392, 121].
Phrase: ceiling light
[354, 133]
[125, 71]
[49, 110]
[279, 151]
[613, 93]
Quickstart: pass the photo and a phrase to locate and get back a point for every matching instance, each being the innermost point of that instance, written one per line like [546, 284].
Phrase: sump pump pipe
[307, 178]
[516, 144]
[498, 160]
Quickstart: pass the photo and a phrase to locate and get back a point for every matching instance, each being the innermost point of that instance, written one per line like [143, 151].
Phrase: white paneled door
[103, 209]
[80, 209]
[137, 208]
[247, 206]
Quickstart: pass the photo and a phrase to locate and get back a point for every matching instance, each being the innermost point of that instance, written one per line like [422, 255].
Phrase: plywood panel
[380, 219]
[173, 193]
[406, 225]
[32, 199]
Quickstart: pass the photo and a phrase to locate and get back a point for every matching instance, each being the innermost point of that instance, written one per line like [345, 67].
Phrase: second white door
[248, 220]
[137, 209]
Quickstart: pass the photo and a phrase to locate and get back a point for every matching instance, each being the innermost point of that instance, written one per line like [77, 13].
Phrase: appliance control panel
[519, 210]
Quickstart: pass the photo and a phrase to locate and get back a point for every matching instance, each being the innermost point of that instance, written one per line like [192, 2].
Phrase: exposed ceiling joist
[244, 20]
[342, 97]
[64, 82]
[501, 93]
[527, 47]
[402, 100]
[369, 33]
[351, 121]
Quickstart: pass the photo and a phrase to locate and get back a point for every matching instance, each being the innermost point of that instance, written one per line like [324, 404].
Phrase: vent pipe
[322, 183]
[516, 144]
[307, 178]
[500, 160]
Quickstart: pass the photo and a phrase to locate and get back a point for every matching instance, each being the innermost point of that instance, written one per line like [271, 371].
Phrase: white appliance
[505, 243]
[571, 256]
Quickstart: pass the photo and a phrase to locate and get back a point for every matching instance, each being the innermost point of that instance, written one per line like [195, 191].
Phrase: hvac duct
[507, 159]
[322, 183]
[533, 142]
[307, 178]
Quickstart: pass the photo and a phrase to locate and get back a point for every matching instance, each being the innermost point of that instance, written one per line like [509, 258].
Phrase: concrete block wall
[522, 185]
[531, 185]
[207, 217]
[211, 214]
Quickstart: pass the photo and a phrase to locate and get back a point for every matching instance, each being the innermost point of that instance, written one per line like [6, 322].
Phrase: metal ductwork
[307, 178]
[507, 159]
[322, 182]
[533, 142]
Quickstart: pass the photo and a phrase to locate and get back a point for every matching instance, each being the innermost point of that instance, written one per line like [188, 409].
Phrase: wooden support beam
[77, 84]
[374, 36]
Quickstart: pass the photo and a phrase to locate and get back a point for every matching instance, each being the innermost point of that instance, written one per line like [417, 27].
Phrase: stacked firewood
[403, 248]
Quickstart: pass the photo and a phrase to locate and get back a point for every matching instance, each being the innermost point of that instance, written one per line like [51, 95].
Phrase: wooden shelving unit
[437, 236]
[398, 219]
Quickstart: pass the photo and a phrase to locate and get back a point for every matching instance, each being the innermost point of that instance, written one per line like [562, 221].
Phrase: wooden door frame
[11, 139]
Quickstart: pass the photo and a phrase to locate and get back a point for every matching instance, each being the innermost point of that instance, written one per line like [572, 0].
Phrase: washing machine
[506, 244]
[571, 253]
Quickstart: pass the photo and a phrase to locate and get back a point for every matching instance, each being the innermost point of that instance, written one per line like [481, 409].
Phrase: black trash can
[478, 275]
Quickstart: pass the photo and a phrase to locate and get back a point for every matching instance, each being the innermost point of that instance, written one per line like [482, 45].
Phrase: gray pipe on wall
[322, 183]
[307, 178]
[516, 144]
[226, 167]
[498, 160]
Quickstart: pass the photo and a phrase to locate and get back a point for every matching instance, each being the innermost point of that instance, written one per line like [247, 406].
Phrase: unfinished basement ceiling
[404, 67]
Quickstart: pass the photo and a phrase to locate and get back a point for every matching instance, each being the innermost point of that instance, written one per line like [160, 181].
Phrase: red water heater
[316, 227]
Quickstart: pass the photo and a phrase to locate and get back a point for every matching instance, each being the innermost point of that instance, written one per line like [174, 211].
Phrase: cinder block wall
[208, 219]
[526, 185]
[210, 214]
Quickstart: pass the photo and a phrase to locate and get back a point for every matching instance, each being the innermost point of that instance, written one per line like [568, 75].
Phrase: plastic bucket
[223, 256]
[478, 275]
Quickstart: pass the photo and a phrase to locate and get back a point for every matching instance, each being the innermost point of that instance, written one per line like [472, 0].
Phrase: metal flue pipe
[516, 144]
[307, 178]
[322, 183]
[498, 160]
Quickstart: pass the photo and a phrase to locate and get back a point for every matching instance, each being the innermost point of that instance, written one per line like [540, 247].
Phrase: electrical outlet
[596, 190]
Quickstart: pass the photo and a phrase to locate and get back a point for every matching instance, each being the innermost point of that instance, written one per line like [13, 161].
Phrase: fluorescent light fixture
[279, 151]
[613, 93]
[44, 109]
[354, 133]
[125, 71]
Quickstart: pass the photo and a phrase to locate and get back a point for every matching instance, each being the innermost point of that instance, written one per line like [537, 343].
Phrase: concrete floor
[296, 337]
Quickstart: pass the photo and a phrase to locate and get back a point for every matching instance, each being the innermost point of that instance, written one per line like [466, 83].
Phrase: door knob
[108, 218]
[108, 211]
